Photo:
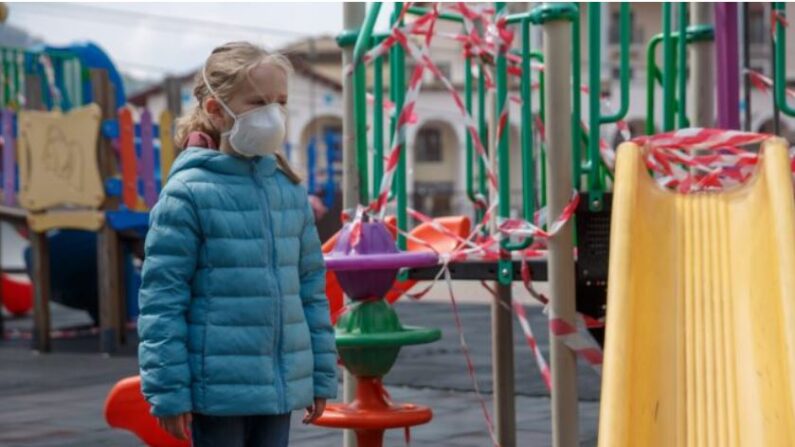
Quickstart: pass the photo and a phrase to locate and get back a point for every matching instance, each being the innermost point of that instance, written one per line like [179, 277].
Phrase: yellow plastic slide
[700, 343]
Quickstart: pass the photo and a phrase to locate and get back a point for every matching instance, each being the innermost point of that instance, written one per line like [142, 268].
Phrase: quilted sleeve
[316, 309]
[171, 248]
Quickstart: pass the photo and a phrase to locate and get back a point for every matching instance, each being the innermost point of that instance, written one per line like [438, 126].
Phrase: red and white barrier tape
[777, 17]
[764, 84]
[60, 334]
[575, 336]
[465, 350]
[523, 228]
[696, 159]
[524, 323]
[399, 136]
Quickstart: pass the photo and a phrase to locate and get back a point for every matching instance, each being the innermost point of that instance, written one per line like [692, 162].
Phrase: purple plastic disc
[367, 269]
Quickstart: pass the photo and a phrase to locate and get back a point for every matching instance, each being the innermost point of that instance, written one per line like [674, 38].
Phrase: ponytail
[288, 170]
[194, 121]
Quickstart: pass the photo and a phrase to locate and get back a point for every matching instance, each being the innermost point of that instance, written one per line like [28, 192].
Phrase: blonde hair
[227, 68]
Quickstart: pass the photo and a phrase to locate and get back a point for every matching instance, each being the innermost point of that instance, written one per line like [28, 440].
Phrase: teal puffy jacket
[234, 318]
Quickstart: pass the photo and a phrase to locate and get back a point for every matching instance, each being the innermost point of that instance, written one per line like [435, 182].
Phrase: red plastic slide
[127, 409]
[17, 294]
[441, 242]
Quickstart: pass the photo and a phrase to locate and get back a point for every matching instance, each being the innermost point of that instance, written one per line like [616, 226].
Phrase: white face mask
[259, 131]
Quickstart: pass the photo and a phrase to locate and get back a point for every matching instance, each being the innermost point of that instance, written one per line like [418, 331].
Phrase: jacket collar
[222, 163]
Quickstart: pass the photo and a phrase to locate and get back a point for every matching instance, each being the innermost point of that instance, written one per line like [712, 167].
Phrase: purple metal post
[728, 65]
[146, 169]
[9, 159]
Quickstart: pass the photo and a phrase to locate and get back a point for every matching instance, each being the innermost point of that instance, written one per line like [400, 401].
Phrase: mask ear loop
[212, 92]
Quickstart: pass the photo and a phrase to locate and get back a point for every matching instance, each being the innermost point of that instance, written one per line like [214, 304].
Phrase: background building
[436, 142]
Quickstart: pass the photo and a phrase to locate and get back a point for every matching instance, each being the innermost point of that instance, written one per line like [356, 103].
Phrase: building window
[427, 75]
[444, 68]
[635, 34]
[434, 198]
[757, 28]
[410, 66]
[617, 72]
[429, 145]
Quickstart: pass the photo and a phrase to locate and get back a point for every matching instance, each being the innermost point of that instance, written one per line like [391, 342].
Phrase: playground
[610, 282]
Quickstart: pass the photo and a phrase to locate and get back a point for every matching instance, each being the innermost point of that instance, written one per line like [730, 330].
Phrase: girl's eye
[283, 102]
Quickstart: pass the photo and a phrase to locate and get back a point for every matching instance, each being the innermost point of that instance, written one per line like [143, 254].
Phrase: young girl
[234, 326]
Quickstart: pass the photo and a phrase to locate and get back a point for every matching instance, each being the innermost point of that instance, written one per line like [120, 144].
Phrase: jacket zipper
[277, 342]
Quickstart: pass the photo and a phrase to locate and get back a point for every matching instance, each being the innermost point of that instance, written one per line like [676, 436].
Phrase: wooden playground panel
[73, 160]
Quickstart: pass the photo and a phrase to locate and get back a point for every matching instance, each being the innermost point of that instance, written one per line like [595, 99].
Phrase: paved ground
[56, 399]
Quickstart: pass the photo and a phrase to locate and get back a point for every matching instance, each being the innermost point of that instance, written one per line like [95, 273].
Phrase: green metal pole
[780, 75]
[576, 112]
[653, 74]
[393, 65]
[398, 59]
[528, 179]
[505, 274]
[421, 10]
[378, 123]
[470, 180]
[696, 33]
[625, 31]
[542, 115]
[668, 72]
[651, 66]
[470, 149]
[682, 121]
[595, 189]
[360, 100]
[360, 120]
[528, 163]
[483, 133]
[624, 55]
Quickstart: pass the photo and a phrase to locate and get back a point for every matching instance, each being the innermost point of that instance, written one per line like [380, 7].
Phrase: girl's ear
[213, 108]
[214, 112]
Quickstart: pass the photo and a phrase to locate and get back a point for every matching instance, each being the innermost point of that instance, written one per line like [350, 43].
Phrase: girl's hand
[314, 412]
[177, 426]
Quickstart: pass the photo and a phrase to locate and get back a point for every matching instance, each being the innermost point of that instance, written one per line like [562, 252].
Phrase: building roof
[300, 64]
[322, 44]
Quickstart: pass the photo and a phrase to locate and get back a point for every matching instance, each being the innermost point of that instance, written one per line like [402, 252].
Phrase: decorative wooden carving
[58, 159]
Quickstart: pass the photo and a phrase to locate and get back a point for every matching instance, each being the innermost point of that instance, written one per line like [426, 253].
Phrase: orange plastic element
[126, 408]
[17, 294]
[440, 241]
[371, 412]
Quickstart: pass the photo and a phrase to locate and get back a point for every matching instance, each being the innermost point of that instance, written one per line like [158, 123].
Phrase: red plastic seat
[127, 409]
[17, 294]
